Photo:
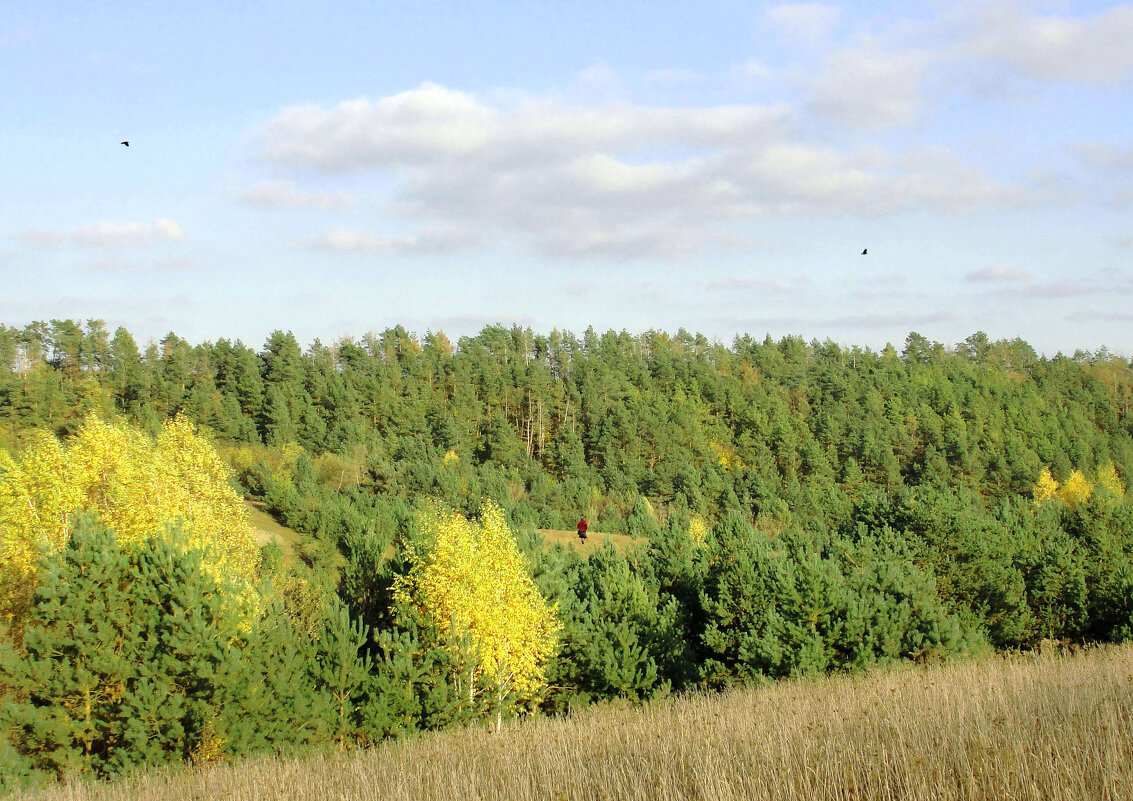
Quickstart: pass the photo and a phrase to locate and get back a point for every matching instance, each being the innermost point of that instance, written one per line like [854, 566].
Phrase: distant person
[582, 526]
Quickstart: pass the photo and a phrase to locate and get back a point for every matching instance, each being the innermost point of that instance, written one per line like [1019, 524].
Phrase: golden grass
[594, 539]
[268, 529]
[1043, 726]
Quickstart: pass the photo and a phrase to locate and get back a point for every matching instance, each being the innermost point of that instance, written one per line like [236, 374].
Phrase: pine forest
[757, 510]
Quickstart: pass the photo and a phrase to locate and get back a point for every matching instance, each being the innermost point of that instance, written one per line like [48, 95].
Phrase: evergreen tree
[124, 652]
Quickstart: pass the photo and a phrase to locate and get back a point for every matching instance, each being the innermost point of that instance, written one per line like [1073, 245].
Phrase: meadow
[594, 540]
[1047, 725]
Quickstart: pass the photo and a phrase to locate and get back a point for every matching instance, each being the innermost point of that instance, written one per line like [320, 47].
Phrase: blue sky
[333, 168]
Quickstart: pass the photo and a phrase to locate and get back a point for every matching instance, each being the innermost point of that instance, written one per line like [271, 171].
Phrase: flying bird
[865, 251]
[127, 144]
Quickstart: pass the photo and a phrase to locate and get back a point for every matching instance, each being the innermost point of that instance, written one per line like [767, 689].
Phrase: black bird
[864, 251]
[127, 144]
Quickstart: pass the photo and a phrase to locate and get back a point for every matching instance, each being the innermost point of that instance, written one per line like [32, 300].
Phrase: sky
[334, 168]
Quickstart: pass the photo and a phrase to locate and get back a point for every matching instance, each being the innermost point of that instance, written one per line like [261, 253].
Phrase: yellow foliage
[242, 459]
[1107, 478]
[472, 581]
[1076, 490]
[287, 461]
[726, 457]
[135, 486]
[1045, 488]
[36, 501]
[450, 458]
[210, 748]
[697, 529]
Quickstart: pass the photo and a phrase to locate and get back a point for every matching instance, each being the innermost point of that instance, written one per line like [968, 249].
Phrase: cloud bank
[613, 181]
[105, 235]
[284, 195]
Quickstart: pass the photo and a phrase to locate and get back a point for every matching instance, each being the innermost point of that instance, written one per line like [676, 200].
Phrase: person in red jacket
[582, 526]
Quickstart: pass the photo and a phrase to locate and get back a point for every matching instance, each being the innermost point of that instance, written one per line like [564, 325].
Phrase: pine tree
[271, 699]
[66, 691]
[342, 670]
[125, 653]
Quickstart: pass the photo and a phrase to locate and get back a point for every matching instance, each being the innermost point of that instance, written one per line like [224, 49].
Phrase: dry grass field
[1046, 726]
[268, 529]
[594, 539]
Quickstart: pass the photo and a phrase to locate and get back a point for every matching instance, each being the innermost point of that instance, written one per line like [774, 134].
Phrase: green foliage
[799, 508]
[342, 671]
[124, 655]
[788, 606]
[619, 633]
[136, 657]
[271, 697]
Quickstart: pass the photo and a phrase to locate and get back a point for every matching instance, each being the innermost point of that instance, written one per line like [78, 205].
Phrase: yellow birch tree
[1075, 490]
[135, 486]
[1045, 488]
[470, 580]
[698, 529]
[1108, 479]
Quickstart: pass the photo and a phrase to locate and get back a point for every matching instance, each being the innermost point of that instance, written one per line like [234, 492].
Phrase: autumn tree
[1045, 488]
[135, 486]
[1108, 479]
[1076, 490]
[471, 581]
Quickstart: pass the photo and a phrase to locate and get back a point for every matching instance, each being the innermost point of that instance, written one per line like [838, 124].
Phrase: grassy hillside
[269, 529]
[1042, 726]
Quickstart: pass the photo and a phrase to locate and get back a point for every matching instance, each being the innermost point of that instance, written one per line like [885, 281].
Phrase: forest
[795, 508]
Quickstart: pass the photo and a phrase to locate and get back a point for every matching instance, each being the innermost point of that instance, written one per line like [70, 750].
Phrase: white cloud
[1092, 50]
[104, 235]
[43, 239]
[405, 128]
[1103, 155]
[871, 88]
[882, 80]
[555, 179]
[344, 240]
[753, 69]
[283, 194]
[807, 22]
[118, 265]
[996, 273]
[431, 122]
